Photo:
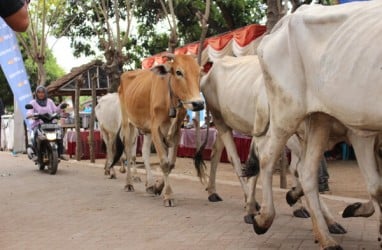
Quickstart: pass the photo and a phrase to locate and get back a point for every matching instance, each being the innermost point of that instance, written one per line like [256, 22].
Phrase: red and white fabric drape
[240, 42]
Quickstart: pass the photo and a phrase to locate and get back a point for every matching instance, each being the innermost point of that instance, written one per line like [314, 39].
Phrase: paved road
[80, 209]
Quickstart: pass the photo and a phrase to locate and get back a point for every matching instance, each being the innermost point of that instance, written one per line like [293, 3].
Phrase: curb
[231, 183]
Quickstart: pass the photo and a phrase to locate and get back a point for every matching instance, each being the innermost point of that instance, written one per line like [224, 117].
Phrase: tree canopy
[53, 72]
[151, 34]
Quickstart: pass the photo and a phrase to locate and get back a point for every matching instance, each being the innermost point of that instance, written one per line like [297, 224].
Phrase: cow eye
[179, 73]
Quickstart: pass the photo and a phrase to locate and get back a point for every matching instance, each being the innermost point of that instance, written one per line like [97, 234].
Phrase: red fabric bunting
[242, 36]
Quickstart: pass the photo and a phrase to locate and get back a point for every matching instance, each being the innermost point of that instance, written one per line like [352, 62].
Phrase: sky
[64, 54]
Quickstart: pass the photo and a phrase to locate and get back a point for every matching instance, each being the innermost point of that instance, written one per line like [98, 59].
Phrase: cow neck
[172, 111]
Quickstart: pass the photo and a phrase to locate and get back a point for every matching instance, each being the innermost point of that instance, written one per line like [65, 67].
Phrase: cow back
[235, 93]
[326, 59]
[108, 112]
[135, 94]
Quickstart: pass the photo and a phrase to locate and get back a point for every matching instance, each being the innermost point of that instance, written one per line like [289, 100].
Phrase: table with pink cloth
[70, 143]
[187, 144]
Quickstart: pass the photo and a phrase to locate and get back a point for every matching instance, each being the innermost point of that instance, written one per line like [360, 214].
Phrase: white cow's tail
[200, 166]
[252, 165]
[119, 146]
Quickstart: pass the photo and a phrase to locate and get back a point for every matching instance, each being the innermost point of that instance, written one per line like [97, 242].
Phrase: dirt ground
[345, 177]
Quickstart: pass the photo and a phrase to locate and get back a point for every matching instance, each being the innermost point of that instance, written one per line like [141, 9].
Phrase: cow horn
[169, 56]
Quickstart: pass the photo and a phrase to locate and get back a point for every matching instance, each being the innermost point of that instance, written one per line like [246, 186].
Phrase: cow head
[184, 76]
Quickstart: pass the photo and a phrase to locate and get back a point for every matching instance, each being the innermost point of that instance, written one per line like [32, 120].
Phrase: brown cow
[147, 97]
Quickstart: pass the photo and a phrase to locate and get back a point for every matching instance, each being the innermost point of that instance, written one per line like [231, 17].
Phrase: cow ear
[161, 69]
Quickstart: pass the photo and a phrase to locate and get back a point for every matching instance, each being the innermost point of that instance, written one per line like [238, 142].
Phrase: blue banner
[349, 1]
[12, 63]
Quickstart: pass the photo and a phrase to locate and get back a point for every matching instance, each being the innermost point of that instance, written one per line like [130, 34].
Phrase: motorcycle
[46, 141]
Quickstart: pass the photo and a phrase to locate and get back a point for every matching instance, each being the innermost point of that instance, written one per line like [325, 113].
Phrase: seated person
[42, 105]
[190, 124]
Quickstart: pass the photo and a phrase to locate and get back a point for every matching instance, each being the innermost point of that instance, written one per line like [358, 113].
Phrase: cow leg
[251, 171]
[171, 132]
[123, 160]
[162, 152]
[105, 138]
[359, 209]
[364, 148]
[293, 195]
[317, 134]
[269, 154]
[133, 160]
[129, 141]
[168, 201]
[217, 150]
[109, 154]
[150, 182]
[230, 146]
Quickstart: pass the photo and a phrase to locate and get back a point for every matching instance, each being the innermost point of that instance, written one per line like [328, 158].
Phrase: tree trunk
[114, 64]
[275, 12]
[227, 14]
[41, 72]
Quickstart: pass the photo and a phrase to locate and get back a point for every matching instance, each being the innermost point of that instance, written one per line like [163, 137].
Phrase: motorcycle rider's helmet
[41, 94]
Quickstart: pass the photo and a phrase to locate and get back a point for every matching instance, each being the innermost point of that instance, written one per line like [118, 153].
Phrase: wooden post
[92, 119]
[79, 83]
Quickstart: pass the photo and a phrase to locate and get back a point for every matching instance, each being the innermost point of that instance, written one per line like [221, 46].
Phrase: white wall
[7, 129]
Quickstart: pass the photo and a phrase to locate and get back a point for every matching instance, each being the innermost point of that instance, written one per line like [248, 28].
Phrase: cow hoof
[249, 218]
[122, 170]
[150, 190]
[336, 229]
[157, 191]
[336, 247]
[350, 210]
[169, 203]
[301, 213]
[137, 179]
[129, 188]
[214, 198]
[257, 206]
[290, 199]
[258, 229]
[158, 187]
[112, 176]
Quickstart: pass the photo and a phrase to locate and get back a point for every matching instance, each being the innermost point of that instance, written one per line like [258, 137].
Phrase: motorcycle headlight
[51, 136]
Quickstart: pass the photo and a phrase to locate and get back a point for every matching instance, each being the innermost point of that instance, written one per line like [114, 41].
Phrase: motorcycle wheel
[53, 161]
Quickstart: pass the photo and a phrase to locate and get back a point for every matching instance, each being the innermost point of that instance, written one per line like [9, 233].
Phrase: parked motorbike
[47, 141]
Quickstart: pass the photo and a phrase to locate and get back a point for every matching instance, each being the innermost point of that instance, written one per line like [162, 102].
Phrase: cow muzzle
[197, 105]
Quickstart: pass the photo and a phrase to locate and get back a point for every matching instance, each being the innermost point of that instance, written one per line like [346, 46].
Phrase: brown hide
[145, 103]
[145, 95]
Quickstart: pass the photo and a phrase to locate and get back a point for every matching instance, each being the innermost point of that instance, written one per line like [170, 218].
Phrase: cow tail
[252, 165]
[119, 146]
[200, 166]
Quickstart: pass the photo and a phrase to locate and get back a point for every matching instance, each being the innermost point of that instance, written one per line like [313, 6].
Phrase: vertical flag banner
[12, 63]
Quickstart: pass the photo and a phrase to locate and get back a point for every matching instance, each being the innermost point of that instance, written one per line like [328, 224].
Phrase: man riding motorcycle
[42, 105]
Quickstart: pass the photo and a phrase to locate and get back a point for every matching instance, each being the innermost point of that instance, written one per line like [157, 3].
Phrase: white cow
[322, 64]
[108, 114]
[230, 81]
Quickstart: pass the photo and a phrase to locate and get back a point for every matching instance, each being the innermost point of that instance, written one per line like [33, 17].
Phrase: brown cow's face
[185, 82]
